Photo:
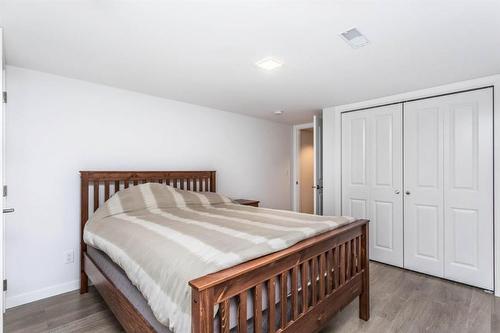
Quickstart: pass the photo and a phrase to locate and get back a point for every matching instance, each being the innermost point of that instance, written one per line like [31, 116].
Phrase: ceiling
[203, 52]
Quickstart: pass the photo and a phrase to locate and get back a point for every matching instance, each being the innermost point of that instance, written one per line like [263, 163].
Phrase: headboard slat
[96, 195]
[106, 190]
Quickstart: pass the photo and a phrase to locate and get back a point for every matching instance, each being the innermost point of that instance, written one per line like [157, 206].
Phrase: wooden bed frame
[336, 262]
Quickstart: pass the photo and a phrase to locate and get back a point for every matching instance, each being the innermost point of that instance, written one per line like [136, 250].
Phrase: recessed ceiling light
[278, 112]
[269, 63]
[354, 38]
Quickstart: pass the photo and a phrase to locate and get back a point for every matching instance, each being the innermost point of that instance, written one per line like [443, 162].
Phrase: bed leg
[364, 298]
[84, 283]
[364, 303]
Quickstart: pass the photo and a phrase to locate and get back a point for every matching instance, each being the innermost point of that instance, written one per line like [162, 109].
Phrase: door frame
[296, 164]
[318, 165]
[332, 194]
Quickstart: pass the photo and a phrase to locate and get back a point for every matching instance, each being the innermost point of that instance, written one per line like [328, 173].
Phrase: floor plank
[401, 301]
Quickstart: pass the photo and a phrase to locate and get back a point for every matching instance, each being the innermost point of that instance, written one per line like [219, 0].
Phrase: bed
[297, 288]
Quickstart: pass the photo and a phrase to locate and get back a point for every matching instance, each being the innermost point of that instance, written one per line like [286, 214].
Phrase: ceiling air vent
[354, 38]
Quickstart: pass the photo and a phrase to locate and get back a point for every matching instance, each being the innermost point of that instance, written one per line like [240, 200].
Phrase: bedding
[163, 237]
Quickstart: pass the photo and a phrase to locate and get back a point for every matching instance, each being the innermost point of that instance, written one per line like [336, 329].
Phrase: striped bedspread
[164, 237]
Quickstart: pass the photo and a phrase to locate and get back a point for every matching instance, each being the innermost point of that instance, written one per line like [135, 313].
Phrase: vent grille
[354, 38]
[351, 34]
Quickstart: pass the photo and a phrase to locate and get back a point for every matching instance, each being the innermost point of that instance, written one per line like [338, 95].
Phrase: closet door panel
[428, 226]
[355, 186]
[384, 219]
[386, 206]
[423, 217]
[372, 177]
[357, 207]
[468, 187]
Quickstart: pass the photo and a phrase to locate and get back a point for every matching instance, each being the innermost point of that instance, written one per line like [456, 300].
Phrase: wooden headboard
[99, 186]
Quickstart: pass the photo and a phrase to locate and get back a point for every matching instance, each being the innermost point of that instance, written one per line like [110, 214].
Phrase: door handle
[8, 210]
[407, 192]
[397, 192]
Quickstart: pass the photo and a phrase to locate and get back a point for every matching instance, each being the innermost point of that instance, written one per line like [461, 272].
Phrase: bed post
[202, 310]
[364, 298]
[84, 212]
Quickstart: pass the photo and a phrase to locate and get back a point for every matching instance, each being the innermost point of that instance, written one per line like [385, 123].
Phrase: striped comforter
[163, 237]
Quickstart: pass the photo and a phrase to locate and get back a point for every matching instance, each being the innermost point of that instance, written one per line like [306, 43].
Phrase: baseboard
[35, 295]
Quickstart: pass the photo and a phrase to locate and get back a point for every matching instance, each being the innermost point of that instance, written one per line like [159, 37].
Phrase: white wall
[332, 146]
[58, 126]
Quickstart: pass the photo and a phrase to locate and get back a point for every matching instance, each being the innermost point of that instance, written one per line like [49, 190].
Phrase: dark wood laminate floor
[401, 301]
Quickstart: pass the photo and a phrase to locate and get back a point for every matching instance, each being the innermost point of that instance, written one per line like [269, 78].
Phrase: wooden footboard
[326, 273]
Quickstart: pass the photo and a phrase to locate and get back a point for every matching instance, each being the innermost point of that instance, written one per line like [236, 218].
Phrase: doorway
[308, 167]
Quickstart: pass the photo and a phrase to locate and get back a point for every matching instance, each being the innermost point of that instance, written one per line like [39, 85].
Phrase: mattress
[118, 277]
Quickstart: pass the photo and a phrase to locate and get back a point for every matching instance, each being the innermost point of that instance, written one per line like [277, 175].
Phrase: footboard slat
[322, 271]
[305, 284]
[359, 256]
[271, 305]
[242, 315]
[329, 271]
[305, 294]
[342, 264]
[336, 267]
[314, 279]
[257, 309]
[283, 298]
[354, 256]
[294, 294]
[224, 316]
[348, 260]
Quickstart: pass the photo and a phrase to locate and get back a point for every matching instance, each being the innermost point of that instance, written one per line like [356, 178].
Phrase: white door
[424, 220]
[449, 187]
[468, 187]
[372, 177]
[2, 228]
[386, 198]
[318, 165]
[355, 164]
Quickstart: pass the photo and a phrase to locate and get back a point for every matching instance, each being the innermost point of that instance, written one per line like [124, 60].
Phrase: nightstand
[247, 202]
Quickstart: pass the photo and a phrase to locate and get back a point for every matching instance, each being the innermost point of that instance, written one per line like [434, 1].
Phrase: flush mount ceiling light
[269, 64]
[354, 38]
[278, 112]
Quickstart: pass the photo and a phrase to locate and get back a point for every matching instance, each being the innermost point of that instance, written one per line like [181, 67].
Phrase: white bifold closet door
[372, 177]
[424, 195]
[448, 163]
